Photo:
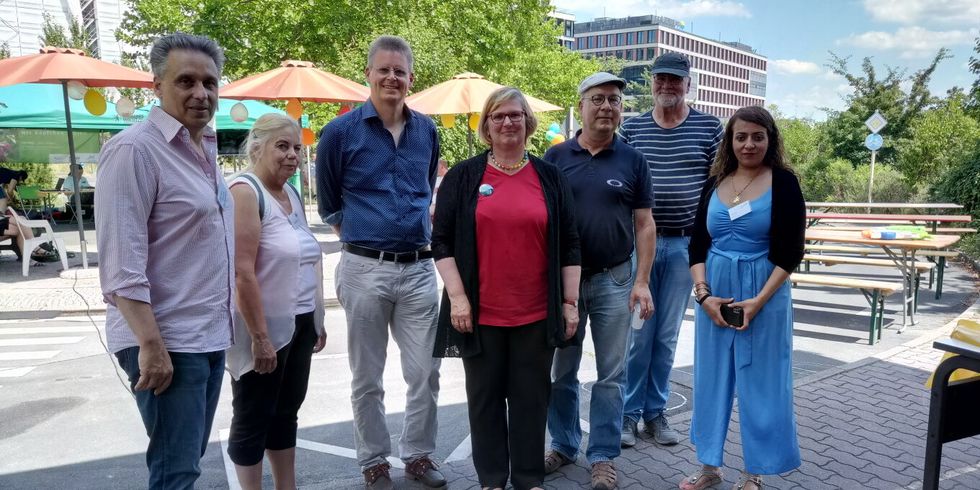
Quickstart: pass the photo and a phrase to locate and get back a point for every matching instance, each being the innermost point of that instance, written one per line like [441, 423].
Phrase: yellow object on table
[966, 331]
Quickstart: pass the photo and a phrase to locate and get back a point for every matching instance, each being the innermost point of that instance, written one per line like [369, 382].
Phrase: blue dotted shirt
[377, 192]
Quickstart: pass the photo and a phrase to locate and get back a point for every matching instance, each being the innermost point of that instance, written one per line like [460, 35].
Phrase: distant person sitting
[87, 198]
[69, 185]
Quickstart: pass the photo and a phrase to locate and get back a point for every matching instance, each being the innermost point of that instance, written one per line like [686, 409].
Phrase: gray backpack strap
[258, 192]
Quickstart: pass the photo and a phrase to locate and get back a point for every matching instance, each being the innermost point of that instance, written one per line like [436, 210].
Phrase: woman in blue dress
[748, 238]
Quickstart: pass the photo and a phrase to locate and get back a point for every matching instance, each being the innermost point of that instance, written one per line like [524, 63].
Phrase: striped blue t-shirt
[679, 160]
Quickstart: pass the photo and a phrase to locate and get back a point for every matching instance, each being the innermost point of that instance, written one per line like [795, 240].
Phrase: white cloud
[911, 42]
[795, 67]
[928, 12]
[675, 9]
[807, 99]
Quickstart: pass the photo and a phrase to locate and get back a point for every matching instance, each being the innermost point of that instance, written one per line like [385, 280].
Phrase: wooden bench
[842, 249]
[831, 260]
[937, 231]
[874, 292]
[939, 256]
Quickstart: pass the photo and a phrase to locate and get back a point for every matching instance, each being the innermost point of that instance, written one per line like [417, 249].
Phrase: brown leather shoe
[603, 475]
[554, 460]
[424, 470]
[377, 477]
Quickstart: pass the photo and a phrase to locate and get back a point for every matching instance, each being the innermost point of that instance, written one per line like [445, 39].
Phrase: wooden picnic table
[901, 252]
[930, 219]
[883, 205]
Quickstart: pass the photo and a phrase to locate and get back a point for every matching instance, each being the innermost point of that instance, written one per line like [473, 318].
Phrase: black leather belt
[588, 272]
[400, 258]
[674, 232]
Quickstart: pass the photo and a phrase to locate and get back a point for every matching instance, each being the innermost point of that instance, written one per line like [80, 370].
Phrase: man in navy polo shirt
[613, 197]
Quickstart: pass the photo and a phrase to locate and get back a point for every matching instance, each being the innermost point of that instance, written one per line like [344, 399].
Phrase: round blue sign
[874, 141]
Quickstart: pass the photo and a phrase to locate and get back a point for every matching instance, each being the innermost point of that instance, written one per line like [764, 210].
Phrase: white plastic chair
[31, 244]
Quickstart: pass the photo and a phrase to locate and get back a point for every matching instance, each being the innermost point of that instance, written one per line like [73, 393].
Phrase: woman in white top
[279, 312]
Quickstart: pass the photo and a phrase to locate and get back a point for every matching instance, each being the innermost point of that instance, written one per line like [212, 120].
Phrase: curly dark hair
[725, 161]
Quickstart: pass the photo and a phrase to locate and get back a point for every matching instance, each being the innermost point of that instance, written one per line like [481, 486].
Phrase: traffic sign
[876, 122]
[874, 141]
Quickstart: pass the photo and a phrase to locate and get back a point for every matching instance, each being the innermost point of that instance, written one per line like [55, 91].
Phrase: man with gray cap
[679, 144]
[611, 183]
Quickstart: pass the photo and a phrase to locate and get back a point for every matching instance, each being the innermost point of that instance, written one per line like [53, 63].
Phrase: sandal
[41, 255]
[746, 479]
[701, 479]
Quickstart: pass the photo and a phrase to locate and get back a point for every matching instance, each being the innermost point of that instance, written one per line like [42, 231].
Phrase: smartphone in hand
[733, 315]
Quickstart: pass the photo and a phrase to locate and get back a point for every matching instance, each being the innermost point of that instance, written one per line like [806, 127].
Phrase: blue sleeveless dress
[755, 363]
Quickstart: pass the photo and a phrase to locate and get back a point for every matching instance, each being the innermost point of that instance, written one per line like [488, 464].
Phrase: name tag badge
[223, 196]
[737, 212]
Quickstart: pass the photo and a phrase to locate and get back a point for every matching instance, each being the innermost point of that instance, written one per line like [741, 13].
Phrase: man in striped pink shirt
[165, 227]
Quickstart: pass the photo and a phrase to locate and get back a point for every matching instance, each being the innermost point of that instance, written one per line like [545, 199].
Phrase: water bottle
[636, 322]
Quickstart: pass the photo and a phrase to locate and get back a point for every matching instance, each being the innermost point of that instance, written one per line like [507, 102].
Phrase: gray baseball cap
[672, 64]
[600, 78]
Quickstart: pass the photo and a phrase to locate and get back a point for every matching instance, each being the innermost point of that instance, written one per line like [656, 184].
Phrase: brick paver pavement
[860, 426]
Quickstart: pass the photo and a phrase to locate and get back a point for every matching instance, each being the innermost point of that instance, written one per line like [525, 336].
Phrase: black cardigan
[454, 235]
[787, 231]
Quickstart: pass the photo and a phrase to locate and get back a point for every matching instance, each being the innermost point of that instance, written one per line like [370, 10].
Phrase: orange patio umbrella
[64, 65]
[296, 81]
[464, 94]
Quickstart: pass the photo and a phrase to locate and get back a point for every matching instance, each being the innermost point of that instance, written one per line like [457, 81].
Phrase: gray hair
[266, 126]
[180, 40]
[391, 43]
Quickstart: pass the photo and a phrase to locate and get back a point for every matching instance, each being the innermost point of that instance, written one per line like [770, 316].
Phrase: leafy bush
[837, 180]
[39, 174]
[962, 186]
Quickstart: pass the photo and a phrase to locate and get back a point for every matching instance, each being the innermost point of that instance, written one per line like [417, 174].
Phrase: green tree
[938, 141]
[139, 96]
[4, 51]
[511, 42]
[973, 100]
[872, 91]
[54, 34]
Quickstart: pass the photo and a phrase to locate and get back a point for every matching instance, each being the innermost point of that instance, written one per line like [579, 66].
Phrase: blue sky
[796, 36]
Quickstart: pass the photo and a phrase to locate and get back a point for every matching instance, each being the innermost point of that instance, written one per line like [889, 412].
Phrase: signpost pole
[871, 181]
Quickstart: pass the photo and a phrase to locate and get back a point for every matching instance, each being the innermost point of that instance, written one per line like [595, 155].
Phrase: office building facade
[724, 75]
[21, 24]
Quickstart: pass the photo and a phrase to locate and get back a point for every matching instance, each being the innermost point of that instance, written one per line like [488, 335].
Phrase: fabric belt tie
[742, 262]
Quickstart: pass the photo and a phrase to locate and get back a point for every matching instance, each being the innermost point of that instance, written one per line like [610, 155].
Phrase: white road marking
[15, 372]
[463, 450]
[40, 341]
[229, 465]
[28, 355]
[40, 330]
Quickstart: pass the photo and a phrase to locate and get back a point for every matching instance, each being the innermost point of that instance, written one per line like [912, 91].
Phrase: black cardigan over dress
[454, 235]
[787, 232]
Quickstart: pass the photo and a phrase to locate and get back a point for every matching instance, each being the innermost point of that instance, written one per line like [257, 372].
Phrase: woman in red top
[506, 246]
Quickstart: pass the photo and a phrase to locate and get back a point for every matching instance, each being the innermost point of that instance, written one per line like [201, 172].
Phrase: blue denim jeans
[178, 421]
[651, 350]
[604, 301]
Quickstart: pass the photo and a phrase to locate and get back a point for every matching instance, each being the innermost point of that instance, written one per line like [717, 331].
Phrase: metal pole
[74, 176]
[871, 180]
[309, 180]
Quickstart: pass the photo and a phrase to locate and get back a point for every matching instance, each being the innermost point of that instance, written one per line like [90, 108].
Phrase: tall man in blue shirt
[376, 167]
[613, 197]
[679, 144]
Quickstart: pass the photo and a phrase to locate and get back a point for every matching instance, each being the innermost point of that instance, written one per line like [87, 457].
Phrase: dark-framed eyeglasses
[599, 99]
[515, 117]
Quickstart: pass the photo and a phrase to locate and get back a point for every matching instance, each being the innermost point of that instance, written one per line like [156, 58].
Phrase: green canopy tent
[231, 133]
[33, 127]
